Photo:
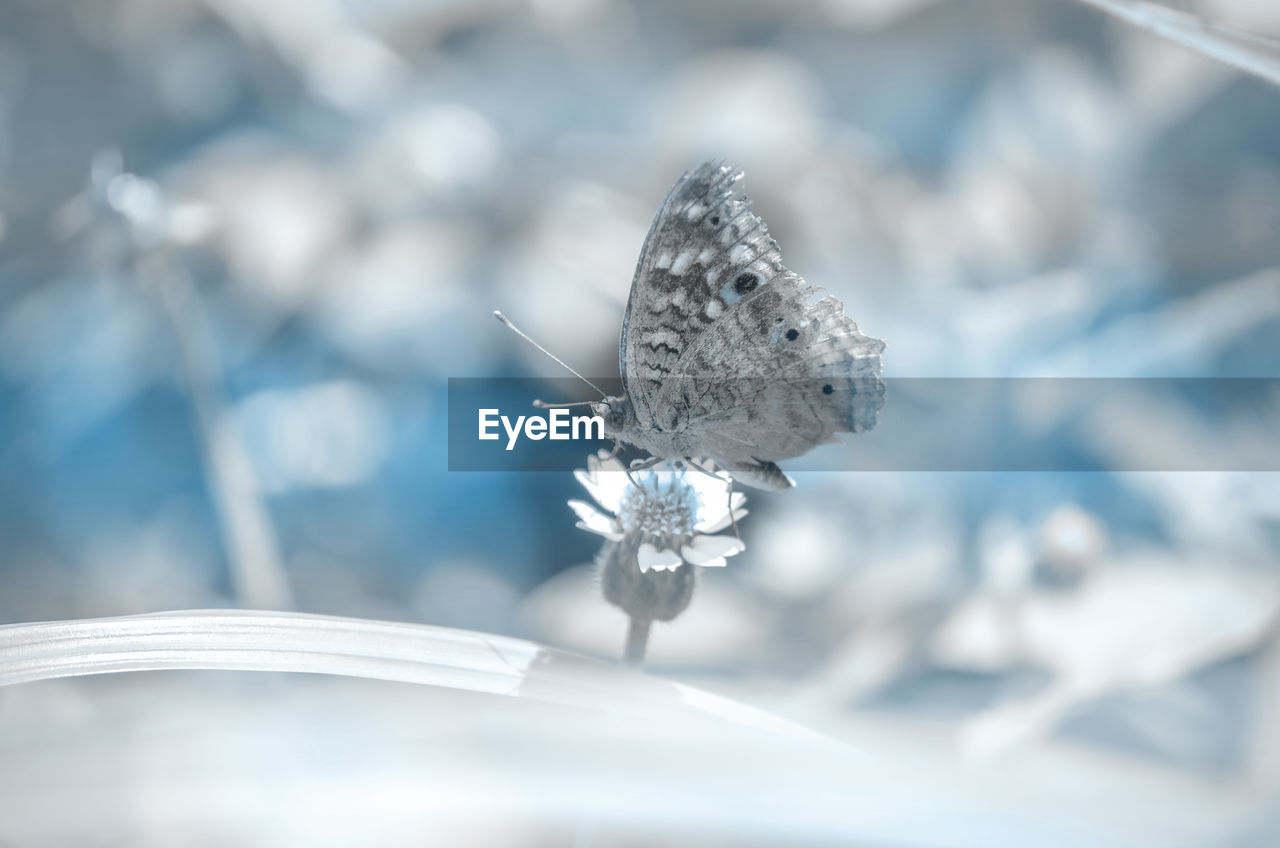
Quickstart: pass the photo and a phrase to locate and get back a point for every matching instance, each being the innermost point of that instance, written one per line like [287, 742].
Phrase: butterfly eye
[793, 334]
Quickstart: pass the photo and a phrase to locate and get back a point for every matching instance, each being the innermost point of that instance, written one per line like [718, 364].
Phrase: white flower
[673, 512]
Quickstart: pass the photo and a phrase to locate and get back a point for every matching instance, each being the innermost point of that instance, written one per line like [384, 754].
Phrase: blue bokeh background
[244, 246]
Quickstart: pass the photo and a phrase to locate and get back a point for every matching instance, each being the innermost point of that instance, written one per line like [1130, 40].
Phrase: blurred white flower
[1072, 541]
[675, 513]
[123, 215]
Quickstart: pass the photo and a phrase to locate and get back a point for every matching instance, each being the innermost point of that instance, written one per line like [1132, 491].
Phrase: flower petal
[586, 511]
[588, 482]
[651, 558]
[608, 534]
[606, 482]
[605, 487]
[604, 463]
[713, 515]
[723, 522]
[711, 487]
[703, 550]
[594, 521]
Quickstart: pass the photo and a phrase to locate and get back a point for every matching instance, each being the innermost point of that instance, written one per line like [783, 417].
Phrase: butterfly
[726, 353]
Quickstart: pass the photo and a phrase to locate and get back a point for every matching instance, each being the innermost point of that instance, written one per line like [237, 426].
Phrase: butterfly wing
[781, 372]
[724, 344]
[704, 252]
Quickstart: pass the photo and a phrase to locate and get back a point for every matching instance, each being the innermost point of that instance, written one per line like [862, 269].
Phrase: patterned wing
[779, 373]
[705, 252]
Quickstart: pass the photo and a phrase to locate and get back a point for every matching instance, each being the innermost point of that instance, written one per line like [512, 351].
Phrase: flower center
[660, 511]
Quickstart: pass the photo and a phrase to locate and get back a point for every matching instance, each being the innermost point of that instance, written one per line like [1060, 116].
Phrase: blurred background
[243, 246]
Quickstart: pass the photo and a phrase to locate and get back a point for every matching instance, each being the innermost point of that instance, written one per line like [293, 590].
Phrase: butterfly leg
[641, 465]
[733, 519]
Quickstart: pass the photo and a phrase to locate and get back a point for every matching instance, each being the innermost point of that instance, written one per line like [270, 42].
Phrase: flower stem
[637, 640]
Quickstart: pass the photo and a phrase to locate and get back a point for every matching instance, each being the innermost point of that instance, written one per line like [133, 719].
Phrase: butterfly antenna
[542, 404]
[513, 328]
